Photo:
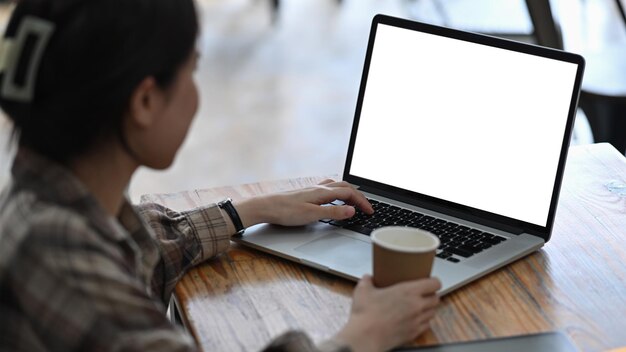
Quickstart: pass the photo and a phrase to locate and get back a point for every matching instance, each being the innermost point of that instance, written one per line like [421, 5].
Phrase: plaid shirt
[74, 278]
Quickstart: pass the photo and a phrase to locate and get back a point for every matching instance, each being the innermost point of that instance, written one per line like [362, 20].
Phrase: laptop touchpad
[336, 250]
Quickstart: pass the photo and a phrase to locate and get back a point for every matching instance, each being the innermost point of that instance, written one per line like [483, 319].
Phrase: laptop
[462, 134]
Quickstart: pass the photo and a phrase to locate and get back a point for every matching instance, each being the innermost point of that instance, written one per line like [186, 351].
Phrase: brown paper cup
[401, 254]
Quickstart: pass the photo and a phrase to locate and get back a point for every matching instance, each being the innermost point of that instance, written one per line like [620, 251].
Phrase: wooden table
[575, 284]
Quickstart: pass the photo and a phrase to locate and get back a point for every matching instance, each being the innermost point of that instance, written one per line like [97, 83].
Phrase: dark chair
[276, 5]
[603, 93]
[622, 12]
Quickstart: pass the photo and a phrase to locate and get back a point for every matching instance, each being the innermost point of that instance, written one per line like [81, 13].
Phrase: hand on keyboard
[456, 239]
[304, 206]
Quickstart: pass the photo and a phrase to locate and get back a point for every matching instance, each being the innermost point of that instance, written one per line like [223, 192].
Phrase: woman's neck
[106, 172]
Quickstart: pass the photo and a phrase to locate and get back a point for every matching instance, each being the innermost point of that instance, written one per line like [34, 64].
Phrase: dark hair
[99, 52]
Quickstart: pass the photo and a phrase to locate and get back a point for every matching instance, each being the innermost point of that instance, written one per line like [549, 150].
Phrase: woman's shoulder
[28, 222]
[24, 209]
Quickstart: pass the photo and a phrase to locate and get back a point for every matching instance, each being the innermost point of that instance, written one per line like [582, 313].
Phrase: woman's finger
[337, 212]
[339, 184]
[421, 287]
[422, 328]
[425, 316]
[348, 195]
[326, 182]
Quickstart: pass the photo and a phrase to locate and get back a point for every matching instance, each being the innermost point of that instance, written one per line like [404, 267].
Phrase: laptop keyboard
[457, 241]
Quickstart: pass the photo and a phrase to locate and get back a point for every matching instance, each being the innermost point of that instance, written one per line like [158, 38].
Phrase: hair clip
[20, 58]
[5, 49]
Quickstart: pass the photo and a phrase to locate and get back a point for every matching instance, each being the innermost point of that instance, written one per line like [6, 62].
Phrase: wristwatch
[227, 206]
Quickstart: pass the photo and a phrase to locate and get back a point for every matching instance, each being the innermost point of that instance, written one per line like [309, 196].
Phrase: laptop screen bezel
[439, 205]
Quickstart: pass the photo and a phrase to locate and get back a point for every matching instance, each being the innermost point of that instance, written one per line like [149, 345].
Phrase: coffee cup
[401, 254]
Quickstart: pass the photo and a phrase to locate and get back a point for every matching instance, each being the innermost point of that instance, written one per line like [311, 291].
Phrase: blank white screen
[464, 122]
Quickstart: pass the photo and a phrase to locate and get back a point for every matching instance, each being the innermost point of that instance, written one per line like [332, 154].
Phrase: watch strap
[229, 208]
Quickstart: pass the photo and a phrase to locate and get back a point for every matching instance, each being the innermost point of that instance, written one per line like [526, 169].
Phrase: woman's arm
[380, 318]
[189, 237]
[303, 206]
[184, 239]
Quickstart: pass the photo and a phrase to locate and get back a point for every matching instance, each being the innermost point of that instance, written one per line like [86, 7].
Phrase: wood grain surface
[575, 284]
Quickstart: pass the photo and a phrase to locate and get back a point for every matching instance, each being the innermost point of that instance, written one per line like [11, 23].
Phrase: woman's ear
[146, 102]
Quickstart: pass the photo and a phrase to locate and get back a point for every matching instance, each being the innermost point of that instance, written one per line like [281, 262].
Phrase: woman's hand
[303, 206]
[384, 318]
[381, 318]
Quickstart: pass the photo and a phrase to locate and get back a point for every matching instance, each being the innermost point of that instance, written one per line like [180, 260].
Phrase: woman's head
[101, 55]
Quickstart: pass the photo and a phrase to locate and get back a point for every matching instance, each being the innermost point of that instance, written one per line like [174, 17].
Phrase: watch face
[222, 203]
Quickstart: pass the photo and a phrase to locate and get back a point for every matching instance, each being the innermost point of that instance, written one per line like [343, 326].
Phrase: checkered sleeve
[184, 240]
[81, 293]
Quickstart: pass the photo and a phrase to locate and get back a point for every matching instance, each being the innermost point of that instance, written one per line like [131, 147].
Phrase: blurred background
[278, 80]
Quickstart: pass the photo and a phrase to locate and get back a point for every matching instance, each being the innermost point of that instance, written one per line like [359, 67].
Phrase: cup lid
[405, 239]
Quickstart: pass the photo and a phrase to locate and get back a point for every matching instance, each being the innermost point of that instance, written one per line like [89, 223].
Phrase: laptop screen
[468, 123]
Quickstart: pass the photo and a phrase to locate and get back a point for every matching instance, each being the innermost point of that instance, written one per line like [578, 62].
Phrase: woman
[95, 89]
